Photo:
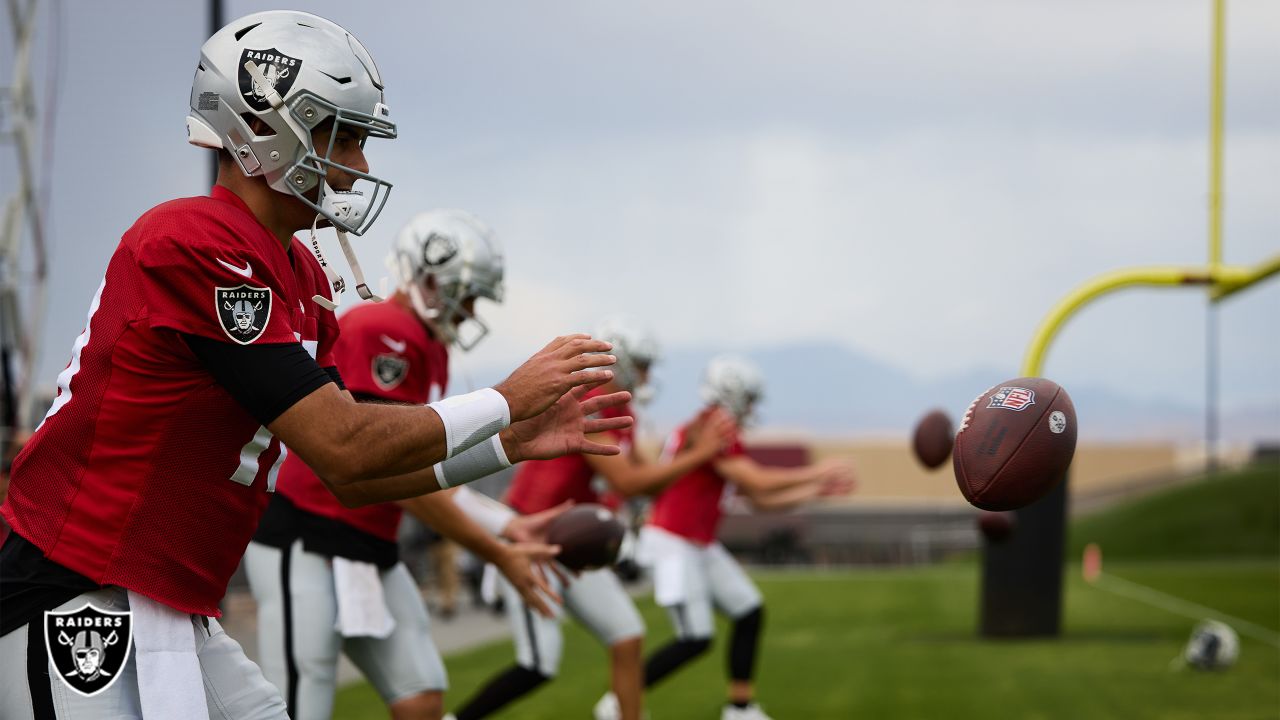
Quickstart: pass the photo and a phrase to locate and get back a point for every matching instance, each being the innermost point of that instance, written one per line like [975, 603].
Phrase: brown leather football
[933, 439]
[589, 537]
[997, 526]
[1015, 443]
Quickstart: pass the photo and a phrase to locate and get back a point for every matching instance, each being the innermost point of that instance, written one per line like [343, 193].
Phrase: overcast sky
[918, 181]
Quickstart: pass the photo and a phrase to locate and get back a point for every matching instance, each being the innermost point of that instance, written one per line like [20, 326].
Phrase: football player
[313, 559]
[595, 598]
[692, 572]
[209, 343]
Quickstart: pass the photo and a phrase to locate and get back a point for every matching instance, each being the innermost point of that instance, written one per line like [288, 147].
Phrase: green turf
[1234, 514]
[901, 643]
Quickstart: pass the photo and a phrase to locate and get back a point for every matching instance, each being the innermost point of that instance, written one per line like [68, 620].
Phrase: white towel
[164, 646]
[489, 584]
[362, 608]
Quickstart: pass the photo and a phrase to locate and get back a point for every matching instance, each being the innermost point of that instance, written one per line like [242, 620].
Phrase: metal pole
[1211, 418]
[215, 24]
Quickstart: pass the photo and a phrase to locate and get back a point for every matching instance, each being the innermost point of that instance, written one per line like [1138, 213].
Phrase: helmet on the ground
[1213, 646]
[462, 256]
[293, 71]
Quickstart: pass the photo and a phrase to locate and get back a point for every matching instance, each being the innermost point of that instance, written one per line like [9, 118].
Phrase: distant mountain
[828, 389]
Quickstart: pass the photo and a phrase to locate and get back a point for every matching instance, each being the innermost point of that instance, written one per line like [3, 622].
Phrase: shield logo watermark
[280, 71]
[389, 371]
[1013, 398]
[243, 311]
[88, 647]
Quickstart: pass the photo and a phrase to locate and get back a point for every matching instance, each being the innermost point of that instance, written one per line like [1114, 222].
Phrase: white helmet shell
[734, 383]
[1213, 645]
[634, 346]
[463, 256]
[306, 70]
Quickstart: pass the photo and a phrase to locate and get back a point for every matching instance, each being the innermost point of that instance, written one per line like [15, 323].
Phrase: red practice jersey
[691, 506]
[385, 352]
[146, 473]
[542, 484]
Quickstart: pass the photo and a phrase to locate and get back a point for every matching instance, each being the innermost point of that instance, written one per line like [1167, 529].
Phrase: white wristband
[484, 459]
[486, 512]
[470, 418]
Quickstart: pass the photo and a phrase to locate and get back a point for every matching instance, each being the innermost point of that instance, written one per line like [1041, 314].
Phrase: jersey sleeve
[221, 293]
[372, 366]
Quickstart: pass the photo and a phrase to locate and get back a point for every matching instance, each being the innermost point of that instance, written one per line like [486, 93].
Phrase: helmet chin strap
[347, 206]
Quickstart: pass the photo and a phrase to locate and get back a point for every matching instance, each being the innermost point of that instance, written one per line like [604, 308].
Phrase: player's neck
[269, 207]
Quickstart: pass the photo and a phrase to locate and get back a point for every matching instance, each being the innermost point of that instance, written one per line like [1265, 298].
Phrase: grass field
[901, 643]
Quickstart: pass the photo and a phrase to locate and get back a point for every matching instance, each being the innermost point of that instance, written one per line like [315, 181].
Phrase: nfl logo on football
[1013, 398]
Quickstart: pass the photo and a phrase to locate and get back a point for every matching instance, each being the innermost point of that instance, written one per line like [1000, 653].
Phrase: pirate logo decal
[88, 647]
[243, 311]
[438, 250]
[279, 69]
[389, 371]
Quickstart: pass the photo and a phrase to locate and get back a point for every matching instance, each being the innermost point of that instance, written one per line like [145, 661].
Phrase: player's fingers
[538, 522]
[586, 447]
[596, 403]
[539, 552]
[591, 426]
[592, 360]
[560, 573]
[534, 600]
[589, 377]
[540, 579]
[581, 344]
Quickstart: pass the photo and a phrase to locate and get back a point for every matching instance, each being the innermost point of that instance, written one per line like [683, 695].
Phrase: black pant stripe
[533, 638]
[38, 672]
[291, 666]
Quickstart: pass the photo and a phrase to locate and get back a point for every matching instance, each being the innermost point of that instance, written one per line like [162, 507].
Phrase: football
[1015, 443]
[933, 439]
[589, 537]
[996, 526]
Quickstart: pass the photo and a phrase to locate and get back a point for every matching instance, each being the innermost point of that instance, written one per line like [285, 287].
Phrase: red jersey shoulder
[207, 267]
[387, 352]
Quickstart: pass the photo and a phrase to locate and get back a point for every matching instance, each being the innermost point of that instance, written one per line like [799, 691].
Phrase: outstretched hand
[532, 528]
[524, 567]
[562, 429]
[838, 477]
[565, 363]
[712, 434]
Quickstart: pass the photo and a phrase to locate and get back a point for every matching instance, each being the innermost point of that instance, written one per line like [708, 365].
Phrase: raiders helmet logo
[389, 371]
[438, 250]
[279, 69]
[88, 647]
[243, 311]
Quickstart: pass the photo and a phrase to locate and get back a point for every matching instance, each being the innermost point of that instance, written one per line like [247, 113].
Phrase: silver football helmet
[636, 349]
[1213, 645]
[733, 383]
[462, 255]
[294, 71]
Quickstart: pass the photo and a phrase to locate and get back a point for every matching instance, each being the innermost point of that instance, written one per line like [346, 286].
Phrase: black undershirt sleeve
[335, 376]
[265, 379]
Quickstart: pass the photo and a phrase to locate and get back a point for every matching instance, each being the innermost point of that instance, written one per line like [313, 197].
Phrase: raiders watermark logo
[88, 647]
[438, 250]
[279, 69]
[1057, 422]
[389, 371]
[1013, 398]
[243, 311]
